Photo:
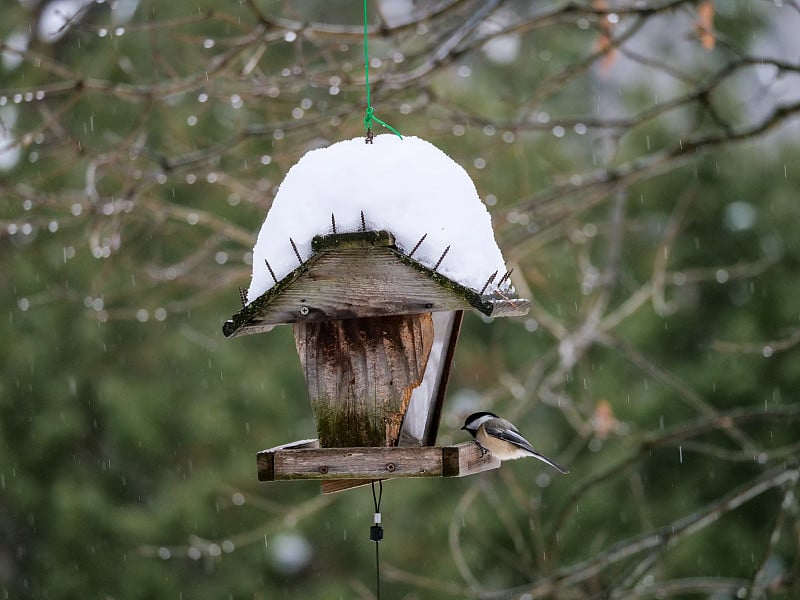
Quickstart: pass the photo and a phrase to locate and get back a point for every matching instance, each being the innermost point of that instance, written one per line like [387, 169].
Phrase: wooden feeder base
[344, 468]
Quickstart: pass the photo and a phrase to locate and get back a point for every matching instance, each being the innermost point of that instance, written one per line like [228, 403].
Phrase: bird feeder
[375, 331]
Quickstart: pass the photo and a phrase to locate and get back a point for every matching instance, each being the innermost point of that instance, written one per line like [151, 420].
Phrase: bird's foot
[483, 450]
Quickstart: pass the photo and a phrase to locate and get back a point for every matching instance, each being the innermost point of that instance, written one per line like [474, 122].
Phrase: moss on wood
[322, 244]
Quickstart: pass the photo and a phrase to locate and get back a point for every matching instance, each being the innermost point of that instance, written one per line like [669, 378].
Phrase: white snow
[10, 151]
[406, 186]
[16, 45]
[58, 17]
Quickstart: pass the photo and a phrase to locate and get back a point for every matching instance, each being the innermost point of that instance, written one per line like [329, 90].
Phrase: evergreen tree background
[641, 163]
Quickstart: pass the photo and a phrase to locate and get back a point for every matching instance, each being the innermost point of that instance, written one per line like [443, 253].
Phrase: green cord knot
[369, 117]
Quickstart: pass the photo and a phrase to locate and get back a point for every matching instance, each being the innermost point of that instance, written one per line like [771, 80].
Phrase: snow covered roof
[405, 186]
[361, 230]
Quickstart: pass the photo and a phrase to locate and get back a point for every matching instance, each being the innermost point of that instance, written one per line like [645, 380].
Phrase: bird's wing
[511, 435]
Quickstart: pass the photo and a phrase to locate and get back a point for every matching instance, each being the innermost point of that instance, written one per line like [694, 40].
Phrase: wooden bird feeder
[375, 331]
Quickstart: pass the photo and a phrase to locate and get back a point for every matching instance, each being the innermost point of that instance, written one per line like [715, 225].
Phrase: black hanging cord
[376, 534]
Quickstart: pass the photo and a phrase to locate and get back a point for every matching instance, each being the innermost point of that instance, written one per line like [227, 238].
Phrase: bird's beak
[464, 427]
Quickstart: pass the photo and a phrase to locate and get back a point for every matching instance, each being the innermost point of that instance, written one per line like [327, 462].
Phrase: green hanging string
[370, 116]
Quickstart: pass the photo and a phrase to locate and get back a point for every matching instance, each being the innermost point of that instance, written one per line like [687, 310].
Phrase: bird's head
[477, 419]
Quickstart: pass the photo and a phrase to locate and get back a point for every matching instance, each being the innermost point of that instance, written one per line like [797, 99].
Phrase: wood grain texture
[265, 460]
[512, 307]
[466, 459]
[361, 465]
[360, 375]
[358, 282]
[331, 486]
[362, 274]
[358, 463]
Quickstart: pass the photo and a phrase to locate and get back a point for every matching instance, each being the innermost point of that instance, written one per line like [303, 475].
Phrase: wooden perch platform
[306, 460]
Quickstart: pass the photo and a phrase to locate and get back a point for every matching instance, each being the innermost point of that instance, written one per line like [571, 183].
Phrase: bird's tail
[552, 463]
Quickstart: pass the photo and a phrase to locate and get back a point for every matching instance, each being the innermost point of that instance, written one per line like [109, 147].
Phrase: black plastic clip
[376, 531]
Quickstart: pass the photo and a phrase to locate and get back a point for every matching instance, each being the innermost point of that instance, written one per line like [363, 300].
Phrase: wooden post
[360, 374]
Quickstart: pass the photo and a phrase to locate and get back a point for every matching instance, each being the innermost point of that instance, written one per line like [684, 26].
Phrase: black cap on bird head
[476, 416]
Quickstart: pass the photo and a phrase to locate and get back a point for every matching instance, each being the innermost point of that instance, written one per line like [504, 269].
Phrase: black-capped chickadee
[502, 439]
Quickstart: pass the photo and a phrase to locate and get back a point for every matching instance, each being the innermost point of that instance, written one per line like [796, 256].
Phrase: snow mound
[406, 186]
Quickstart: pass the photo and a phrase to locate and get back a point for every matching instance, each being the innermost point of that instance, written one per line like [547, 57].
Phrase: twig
[417, 245]
[296, 253]
[441, 258]
[668, 535]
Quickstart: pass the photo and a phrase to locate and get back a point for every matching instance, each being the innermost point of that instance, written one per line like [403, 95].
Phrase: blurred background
[641, 161]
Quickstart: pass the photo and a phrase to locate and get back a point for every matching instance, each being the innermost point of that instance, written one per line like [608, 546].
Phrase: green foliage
[129, 424]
